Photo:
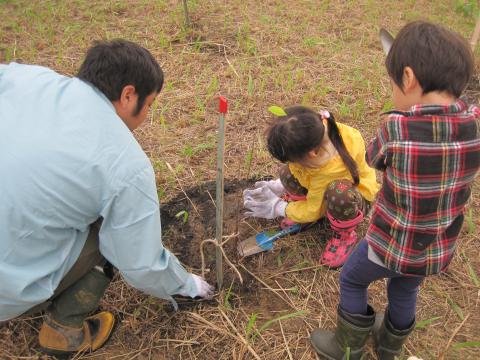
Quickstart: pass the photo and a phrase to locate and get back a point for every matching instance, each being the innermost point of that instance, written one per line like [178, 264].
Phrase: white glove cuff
[280, 208]
[277, 182]
[189, 288]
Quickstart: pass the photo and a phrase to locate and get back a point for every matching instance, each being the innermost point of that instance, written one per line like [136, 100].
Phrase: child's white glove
[275, 185]
[263, 203]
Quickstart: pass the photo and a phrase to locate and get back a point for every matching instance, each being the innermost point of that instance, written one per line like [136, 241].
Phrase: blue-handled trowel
[264, 241]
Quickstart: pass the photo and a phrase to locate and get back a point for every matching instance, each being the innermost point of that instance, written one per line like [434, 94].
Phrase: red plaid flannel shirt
[429, 157]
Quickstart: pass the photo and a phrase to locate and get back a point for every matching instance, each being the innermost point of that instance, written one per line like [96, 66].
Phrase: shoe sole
[321, 352]
[59, 354]
[331, 267]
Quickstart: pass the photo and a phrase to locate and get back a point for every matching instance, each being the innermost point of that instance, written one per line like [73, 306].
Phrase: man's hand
[204, 289]
[263, 203]
[197, 287]
[275, 185]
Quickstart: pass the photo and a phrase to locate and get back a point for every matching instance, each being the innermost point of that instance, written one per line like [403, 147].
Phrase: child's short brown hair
[441, 59]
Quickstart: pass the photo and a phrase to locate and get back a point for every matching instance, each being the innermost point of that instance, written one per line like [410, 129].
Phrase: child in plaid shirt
[429, 153]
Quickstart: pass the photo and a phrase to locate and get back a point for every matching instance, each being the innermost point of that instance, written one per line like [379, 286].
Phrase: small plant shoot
[277, 110]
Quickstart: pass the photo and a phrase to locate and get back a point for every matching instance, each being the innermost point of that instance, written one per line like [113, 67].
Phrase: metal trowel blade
[255, 244]
[264, 241]
[386, 39]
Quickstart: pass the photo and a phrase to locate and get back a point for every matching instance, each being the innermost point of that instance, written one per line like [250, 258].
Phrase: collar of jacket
[432, 109]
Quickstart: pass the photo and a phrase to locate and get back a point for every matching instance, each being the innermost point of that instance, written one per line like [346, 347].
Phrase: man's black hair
[112, 65]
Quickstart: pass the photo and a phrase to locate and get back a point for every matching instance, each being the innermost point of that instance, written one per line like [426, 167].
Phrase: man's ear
[410, 81]
[128, 96]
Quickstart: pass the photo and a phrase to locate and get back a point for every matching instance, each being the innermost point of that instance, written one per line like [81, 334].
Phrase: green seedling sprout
[466, 344]
[471, 271]
[249, 158]
[473, 275]
[456, 308]
[279, 260]
[277, 110]
[301, 265]
[424, 323]
[153, 111]
[250, 87]
[212, 87]
[183, 214]
[250, 324]
[226, 299]
[269, 323]
[471, 227]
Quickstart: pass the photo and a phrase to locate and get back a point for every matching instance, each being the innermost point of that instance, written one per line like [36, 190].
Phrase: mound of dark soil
[183, 237]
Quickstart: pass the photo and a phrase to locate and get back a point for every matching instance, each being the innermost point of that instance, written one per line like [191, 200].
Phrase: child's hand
[275, 185]
[263, 203]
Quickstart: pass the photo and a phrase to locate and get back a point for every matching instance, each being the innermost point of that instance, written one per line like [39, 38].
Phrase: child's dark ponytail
[291, 137]
[337, 141]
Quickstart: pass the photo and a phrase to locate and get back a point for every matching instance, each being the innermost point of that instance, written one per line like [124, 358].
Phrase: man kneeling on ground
[78, 194]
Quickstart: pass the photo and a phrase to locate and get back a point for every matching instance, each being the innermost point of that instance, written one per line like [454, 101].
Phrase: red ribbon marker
[223, 105]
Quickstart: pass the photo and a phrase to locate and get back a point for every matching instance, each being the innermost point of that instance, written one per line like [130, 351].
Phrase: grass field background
[324, 54]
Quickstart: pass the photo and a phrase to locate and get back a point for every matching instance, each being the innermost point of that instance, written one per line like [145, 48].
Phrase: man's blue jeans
[359, 272]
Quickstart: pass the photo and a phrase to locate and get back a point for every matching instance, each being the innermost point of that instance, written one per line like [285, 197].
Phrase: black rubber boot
[388, 340]
[349, 338]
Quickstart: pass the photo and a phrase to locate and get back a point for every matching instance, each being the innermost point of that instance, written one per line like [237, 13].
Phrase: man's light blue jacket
[67, 159]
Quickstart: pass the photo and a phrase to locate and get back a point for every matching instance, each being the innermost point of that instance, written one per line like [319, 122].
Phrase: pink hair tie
[325, 114]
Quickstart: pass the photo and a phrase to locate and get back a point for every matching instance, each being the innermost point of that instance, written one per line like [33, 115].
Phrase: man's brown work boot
[67, 327]
[57, 339]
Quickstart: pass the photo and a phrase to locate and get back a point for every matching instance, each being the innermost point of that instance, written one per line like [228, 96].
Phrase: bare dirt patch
[183, 236]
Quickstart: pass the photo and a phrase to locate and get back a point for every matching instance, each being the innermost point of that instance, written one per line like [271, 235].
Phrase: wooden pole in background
[476, 34]
[185, 10]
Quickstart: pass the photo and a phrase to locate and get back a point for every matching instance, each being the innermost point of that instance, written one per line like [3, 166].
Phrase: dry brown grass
[256, 53]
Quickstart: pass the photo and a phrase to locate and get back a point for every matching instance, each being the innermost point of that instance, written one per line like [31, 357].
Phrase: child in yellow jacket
[325, 174]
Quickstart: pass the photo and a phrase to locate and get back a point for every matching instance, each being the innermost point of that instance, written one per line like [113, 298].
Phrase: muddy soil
[183, 238]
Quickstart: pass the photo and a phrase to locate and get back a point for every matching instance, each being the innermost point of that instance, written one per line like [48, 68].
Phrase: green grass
[249, 330]
[424, 323]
